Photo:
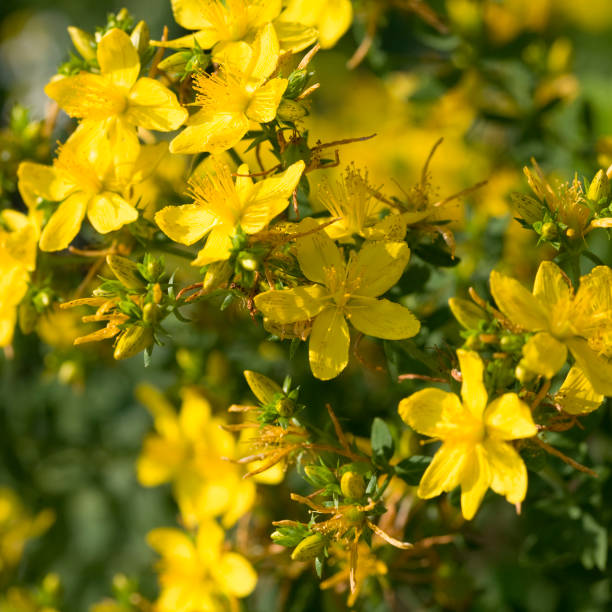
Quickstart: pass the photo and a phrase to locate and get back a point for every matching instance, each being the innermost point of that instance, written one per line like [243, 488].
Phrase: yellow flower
[342, 291]
[230, 99]
[580, 321]
[116, 100]
[332, 18]
[199, 576]
[576, 395]
[228, 26]
[475, 451]
[352, 202]
[220, 206]
[87, 180]
[18, 238]
[189, 450]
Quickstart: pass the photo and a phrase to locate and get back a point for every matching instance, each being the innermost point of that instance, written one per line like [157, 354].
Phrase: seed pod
[126, 271]
[599, 189]
[132, 341]
[83, 42]
[549, 231]
[285, 406]
[309, 548]
[352, 485]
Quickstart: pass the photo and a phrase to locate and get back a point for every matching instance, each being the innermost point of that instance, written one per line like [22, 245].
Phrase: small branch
[338, 429]
[557, 453]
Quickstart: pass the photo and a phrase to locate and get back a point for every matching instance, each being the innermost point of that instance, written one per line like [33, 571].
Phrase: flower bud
[599, 189]
[510, 343]
[83, 42]
[290, 110]
[27, 317]
[157, 293]
[217, 274]
[140, 38]
[154, 269]
[297, 82]
[151, 313]
[132, 341]
[524, 375]
[42, 300]
[527, 208]
[309, 548]
[175, 63]
[354, 515]
[248, 262]
[352, 485]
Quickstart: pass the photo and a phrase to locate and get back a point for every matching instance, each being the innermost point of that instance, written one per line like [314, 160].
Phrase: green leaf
[411, 470]
[382, 440]
[595, 551]
[319, 567]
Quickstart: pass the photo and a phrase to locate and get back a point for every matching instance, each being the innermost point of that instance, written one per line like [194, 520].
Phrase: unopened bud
[523, 375]
[175, 63]
[510, 343]
[150, 313]
[157, 293]
[599, 189]
[319, 475]
[42, 300]
[217, 274]
[83, 42]
[297, 82]
[27, 317]
[132, 341]
[309, 548]
[140, 38]
[352, 485]
[354, 515]
[248, 262]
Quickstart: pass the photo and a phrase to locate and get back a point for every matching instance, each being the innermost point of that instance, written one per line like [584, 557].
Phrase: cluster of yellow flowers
[307, 277]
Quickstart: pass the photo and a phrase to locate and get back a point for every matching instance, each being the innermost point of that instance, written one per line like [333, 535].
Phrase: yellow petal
[265, 55]
[596, 368]
[262, 11]
[164, 415]
[303, 11]
[544, 355]
[234, 56]
[520, 306]
[149, 157]
[235, 575]
[185, 224]
[154, 107]
[219, 133]
[159, 461]
[243, 184]
[44, 181]
[293, 36]
[576, 395]
[551, 286]
[381, 318]
[334, 21]
[473, 391]
[122, 149]
[509, 418]
[87, 95]
[445, 470]
[329, 344]
[264, 102]
[263, 388]
[64, 223]
[292, 305]
[118, 59]
[108, 212]
[432, 412]
[190, 14]
[194, 418]
[475, 481]
[209, 541]
[508, 471]
[317, 253]
[377, 267]
[243, 498]
[206, 39]
[467, 313]
[172, 544]
[217, 248]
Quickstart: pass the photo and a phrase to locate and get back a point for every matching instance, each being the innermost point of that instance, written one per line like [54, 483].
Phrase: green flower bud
[352, 485]
[510, 343]
[473, 343]
[151, 313]
[217, 274]
[132, 341]
[154, 269]
[248, 262]
[599, 189]
[309, 548]
[175, 63]
[83, 42]
[290, 110]
[42, 300]
[297, 82]
[354, 516]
